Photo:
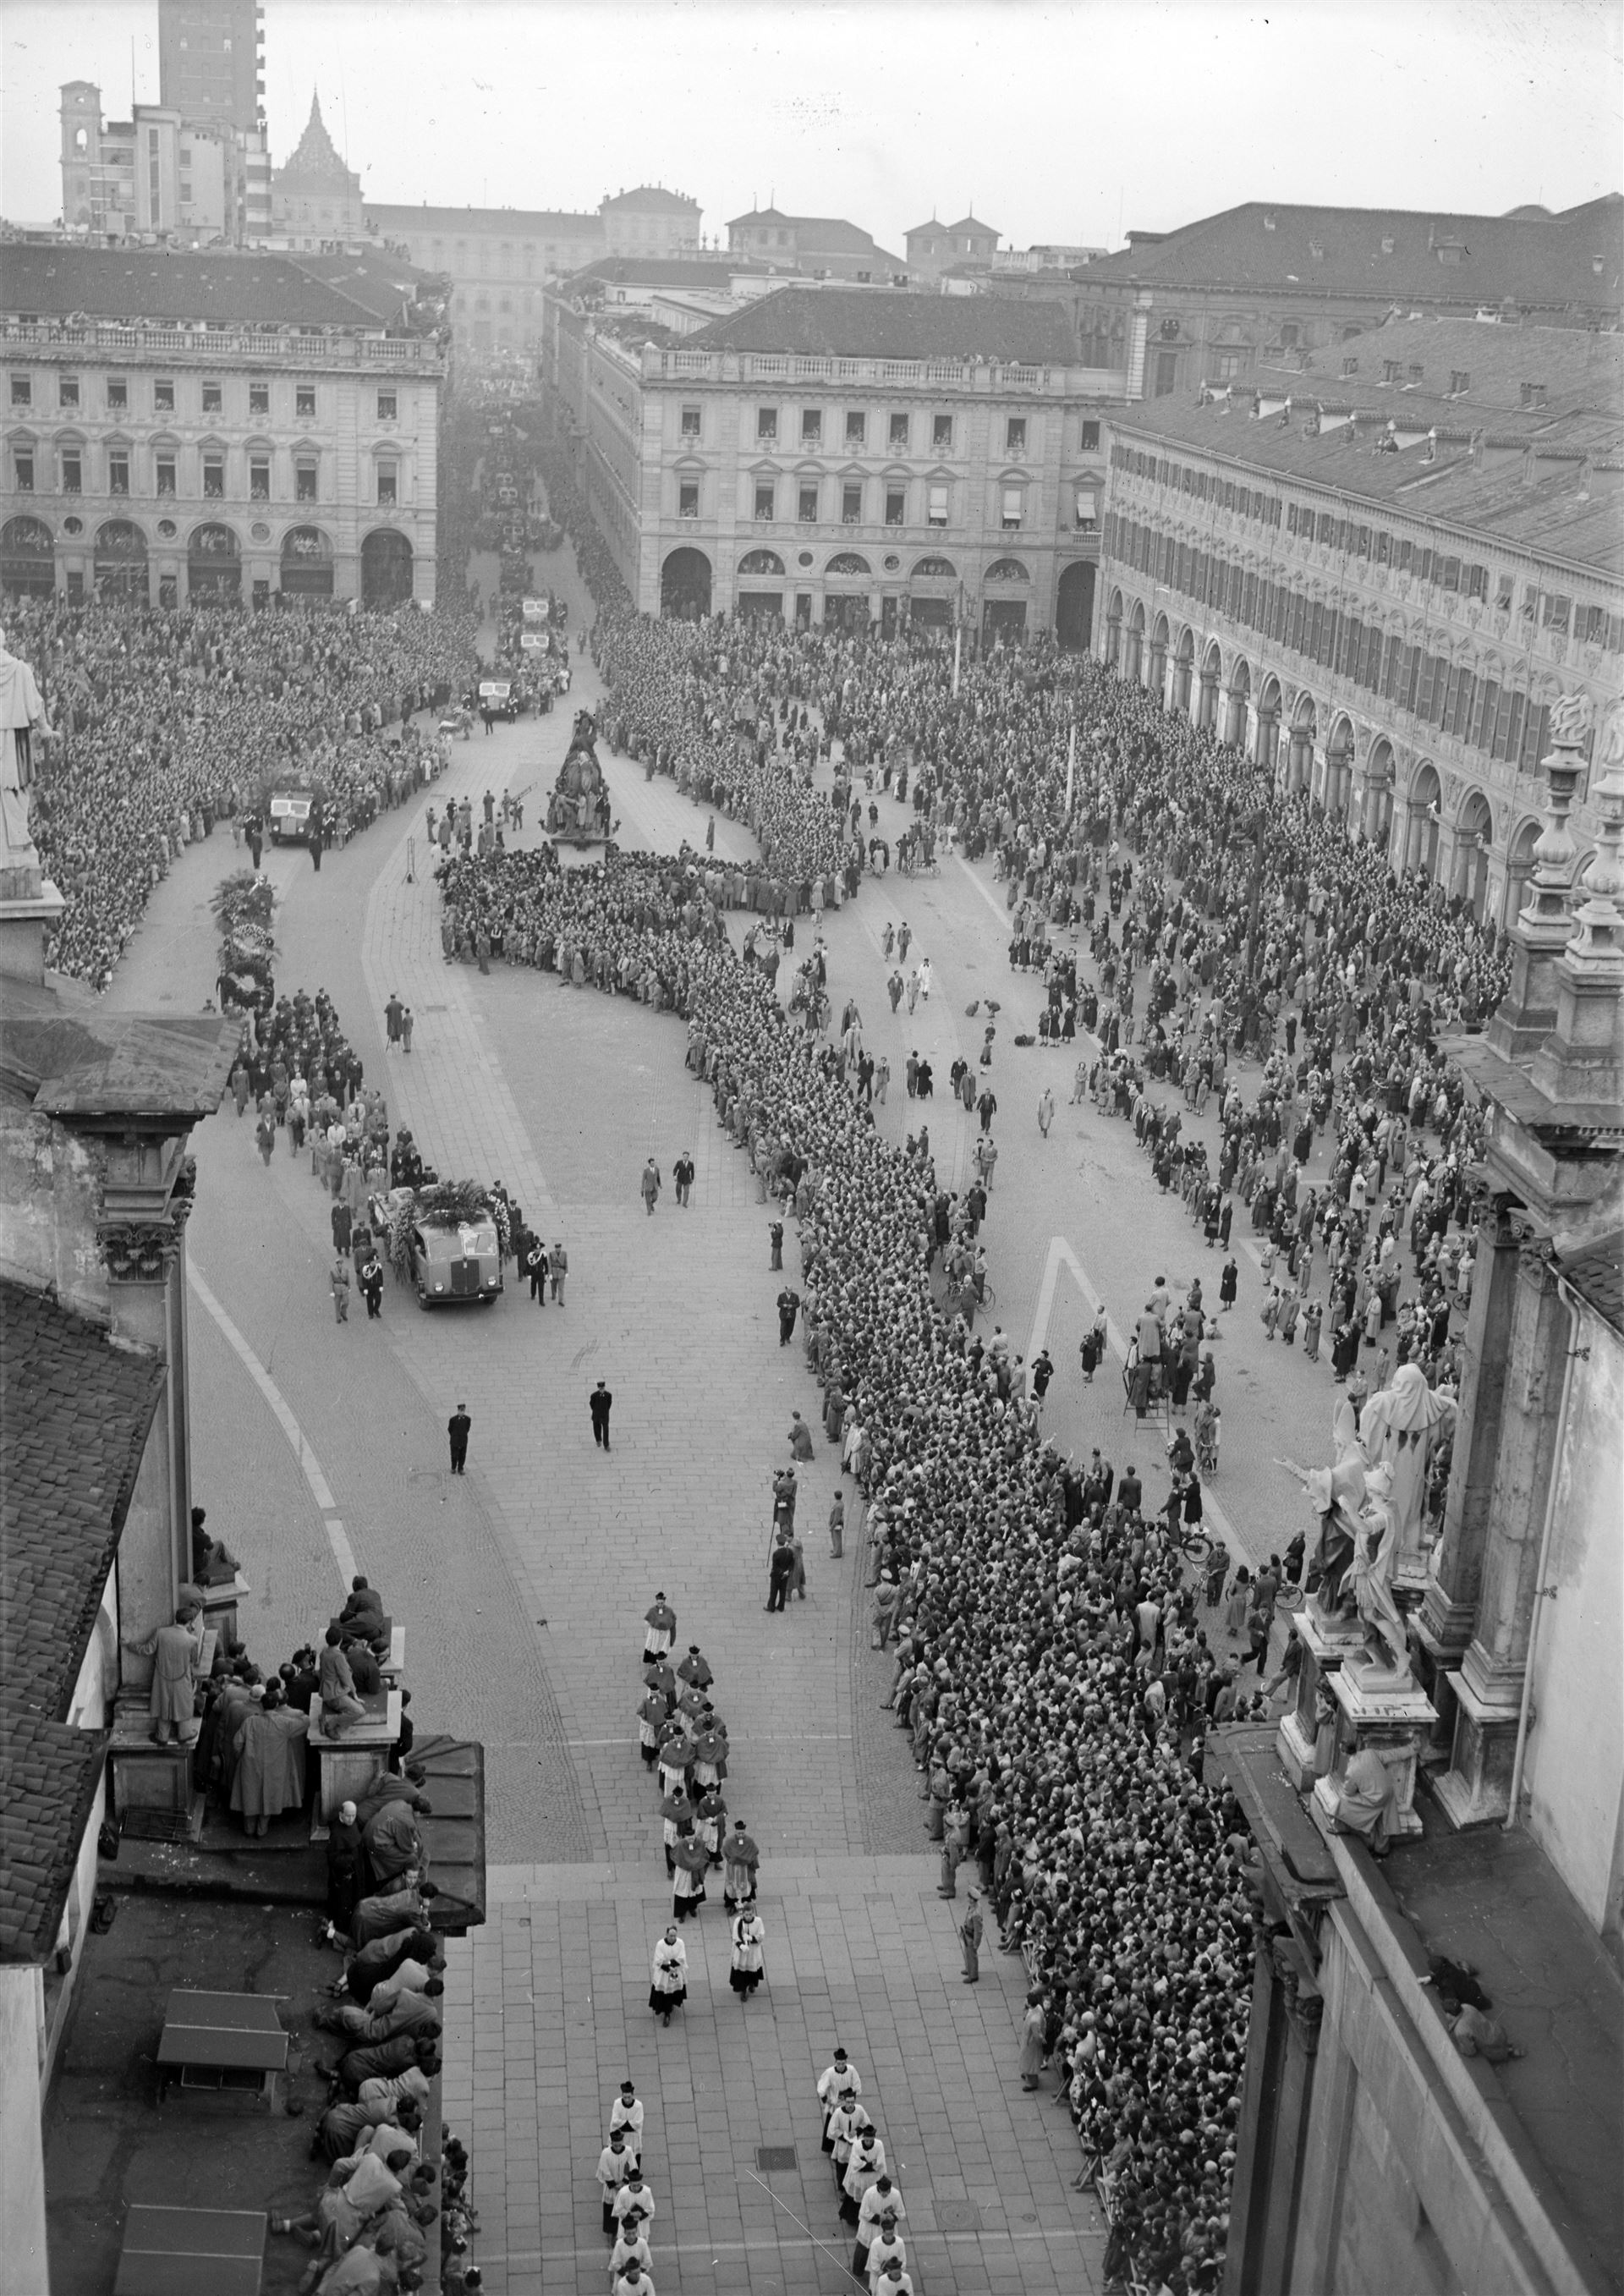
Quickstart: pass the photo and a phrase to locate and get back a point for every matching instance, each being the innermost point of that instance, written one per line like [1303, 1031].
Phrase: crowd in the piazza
[1059, 1659]
[171, 722]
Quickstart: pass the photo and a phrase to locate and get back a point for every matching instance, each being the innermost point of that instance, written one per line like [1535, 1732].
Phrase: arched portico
[1300, 749]
[685, 584]
[1378, 804]
[1473, 844]
[1339, 766]
[1113, 630]
[1420, 838]
[1519, 869]
[1238, 699]
[1205, 707]
[1183, 671]
[1267, 747]
[1132, 649]
[1157, 678]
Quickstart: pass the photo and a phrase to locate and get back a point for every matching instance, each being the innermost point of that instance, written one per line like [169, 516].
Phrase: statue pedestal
[1325, 1649]
[29, 903]
[1391, 1716]
[1475, 1790]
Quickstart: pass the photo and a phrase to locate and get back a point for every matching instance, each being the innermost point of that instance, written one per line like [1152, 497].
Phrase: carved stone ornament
[139, 1252]
[1571, 719]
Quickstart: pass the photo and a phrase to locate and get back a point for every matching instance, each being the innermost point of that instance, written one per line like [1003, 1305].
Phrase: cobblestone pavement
[522, 1585]
[554, 1992]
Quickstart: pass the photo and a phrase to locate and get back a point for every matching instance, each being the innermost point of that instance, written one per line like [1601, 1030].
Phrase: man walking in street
[780, 1570]
[970, 1941]
[340, 1281]
[456, 1428]
[558, 1264]
[598, 1403]
[392, 1011]
[650, 1185]
[681, 1173]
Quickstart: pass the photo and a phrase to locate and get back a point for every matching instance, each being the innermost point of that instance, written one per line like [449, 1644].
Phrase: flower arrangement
[446, 1203]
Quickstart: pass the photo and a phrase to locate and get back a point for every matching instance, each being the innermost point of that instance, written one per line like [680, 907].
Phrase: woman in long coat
[270, 1772]
[748, 1935]
[669, 1989]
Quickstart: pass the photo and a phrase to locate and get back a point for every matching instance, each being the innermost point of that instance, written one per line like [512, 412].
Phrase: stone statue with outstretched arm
[22, 716]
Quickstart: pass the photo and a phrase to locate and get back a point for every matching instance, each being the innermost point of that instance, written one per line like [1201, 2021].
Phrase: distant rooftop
[863, 323]
[1391, 254]
[169, 286]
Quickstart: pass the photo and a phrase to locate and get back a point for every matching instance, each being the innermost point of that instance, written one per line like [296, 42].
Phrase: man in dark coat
[456, 1428]
[598, 1403]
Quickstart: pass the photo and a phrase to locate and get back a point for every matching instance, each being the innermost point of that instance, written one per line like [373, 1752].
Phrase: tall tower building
[210, 60]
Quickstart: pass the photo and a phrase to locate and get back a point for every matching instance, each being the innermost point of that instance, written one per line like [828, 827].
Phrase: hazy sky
[1058, 122]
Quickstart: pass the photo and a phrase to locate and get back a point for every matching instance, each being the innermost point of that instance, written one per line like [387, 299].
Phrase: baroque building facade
[229, 427]
[499, 259]
[832, 455]
[1379, 581]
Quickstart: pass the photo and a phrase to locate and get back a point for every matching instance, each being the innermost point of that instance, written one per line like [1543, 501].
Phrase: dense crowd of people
[1056, 1665]
[169, 722]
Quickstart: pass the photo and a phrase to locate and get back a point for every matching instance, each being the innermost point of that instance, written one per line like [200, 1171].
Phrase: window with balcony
[258, 478]
[304, 480]
[163, 398]
[807, 509]
[941, 434]
[1015, 435]
[687, 499]
[811, 426]
[166, 471]
[118, 470]
[214, 476]
[689, 423]
[937, 504]
[851, 505]
[23, 470]
[22, 390]
[764, 505]
[73, 481]
[896, 505]
[900, 432]
[1013, 509]
[767, 425]
[388, 482]
[67, 390]
[1086, 509]
[117, 393]
[304, 398]
[213, 398]
[857, 428]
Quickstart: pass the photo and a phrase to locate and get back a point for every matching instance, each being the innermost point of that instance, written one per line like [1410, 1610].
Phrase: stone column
[1449, 1610]
[1488, 1687]
[154, 1553]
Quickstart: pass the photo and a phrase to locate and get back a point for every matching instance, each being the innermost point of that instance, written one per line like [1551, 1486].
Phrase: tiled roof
[87, 1063]
[1597, 1275]
[1390, 254]
[518, 223]
[858, 323]
[1546, 479]
[57, 282]
[74, 1415]
[382, 286]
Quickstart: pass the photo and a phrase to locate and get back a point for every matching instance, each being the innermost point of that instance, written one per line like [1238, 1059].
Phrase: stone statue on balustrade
[1403, 1426]
[1384, 1661]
